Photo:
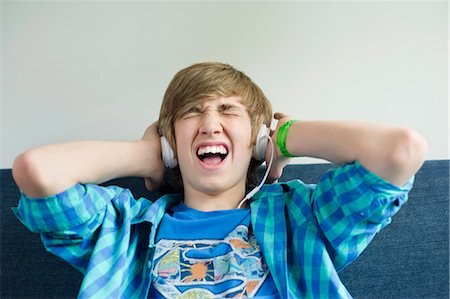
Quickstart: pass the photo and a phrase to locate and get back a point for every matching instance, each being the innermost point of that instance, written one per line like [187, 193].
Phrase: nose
[210, 124]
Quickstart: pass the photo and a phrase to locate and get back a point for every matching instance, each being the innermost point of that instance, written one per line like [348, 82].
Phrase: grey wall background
[98, 70]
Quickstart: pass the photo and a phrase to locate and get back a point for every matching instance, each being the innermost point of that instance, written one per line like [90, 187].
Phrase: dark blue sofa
[408, 259]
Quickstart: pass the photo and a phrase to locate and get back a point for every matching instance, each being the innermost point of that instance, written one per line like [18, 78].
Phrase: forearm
[53, 168]
[394, 153]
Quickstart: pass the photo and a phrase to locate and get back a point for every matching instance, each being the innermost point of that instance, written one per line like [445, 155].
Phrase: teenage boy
[288, 240]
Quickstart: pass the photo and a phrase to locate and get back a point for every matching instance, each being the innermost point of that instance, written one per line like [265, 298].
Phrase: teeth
[212, 149]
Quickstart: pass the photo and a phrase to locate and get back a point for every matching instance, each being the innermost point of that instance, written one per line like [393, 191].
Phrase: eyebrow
[228, 106]
[199, 108]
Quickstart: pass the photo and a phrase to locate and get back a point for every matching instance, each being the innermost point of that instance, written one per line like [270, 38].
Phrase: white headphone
[259, 150]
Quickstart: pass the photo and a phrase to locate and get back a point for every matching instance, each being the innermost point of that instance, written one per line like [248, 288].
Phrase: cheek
[184, 136]
[180, 139]
[244, 138]
[181, 142]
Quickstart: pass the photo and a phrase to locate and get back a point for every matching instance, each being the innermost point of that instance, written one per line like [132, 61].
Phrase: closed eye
[228, 109]
[192, 112]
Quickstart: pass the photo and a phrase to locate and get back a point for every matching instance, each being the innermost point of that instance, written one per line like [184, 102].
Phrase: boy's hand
[154, 180]
[279, 161]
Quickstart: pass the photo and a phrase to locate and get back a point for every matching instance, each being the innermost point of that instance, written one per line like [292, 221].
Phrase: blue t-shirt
[209, 255]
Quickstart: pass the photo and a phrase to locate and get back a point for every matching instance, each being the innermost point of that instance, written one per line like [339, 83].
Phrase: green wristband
[281, 138]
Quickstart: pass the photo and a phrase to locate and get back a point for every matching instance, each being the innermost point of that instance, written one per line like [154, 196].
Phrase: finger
[148, 184]
[271, 132]
[279, 115]
[271, 180]
[151, 184]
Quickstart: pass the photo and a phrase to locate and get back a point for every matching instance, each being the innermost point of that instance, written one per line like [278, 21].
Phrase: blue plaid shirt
[307, 232]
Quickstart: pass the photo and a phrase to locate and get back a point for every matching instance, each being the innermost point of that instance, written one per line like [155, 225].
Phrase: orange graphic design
[237, 243]
[199, 272]
[251, 285]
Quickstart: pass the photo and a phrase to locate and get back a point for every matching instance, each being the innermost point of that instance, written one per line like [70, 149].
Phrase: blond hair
[203, 81]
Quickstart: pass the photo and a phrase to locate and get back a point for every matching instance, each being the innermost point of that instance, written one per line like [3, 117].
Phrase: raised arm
[394, 153]
[51, 169]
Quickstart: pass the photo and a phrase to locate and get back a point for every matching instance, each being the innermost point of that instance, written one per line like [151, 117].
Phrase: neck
[208, 202]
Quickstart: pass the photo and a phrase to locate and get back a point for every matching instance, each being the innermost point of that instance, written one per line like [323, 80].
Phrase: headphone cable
[257, 188]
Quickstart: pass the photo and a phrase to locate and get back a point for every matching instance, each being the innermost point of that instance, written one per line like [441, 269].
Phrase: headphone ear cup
[259, 151]
[168, 155]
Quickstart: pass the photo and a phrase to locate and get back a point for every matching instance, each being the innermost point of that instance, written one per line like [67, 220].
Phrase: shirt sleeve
[63, 211]
[351, 204]
[68, 222]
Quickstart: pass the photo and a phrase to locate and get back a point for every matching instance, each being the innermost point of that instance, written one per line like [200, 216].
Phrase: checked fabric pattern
[308, 233]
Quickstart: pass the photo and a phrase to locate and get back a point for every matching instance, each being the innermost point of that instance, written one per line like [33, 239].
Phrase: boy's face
[214, 146]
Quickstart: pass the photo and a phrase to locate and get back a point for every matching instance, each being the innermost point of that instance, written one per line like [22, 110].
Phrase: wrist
[148, 158]
[281, 139]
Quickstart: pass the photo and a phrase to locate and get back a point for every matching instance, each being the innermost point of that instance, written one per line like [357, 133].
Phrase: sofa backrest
[408, 259]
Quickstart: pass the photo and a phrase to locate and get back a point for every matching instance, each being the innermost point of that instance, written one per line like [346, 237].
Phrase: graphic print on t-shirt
[190, 268]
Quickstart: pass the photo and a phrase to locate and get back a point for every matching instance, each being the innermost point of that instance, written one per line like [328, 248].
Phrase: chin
[215, 185]
[212, 188]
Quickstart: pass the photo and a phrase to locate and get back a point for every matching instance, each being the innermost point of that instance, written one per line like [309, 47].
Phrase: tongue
[212, 160]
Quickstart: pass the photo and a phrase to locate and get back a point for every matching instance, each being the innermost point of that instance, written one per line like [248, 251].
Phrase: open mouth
[212, 154]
